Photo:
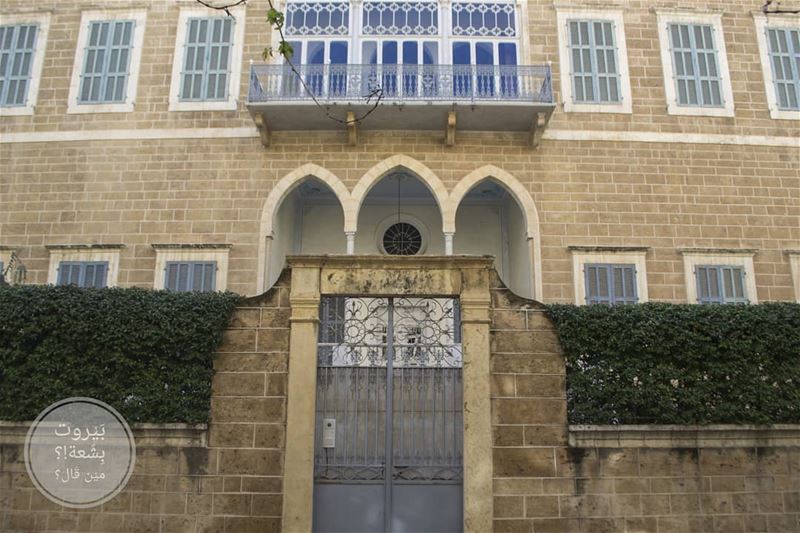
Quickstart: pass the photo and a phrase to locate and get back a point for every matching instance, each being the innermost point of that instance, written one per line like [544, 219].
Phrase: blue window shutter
[106, 61]
[207, 59]
[597, 284]
[17, 48]
[187, 276]
[610, 284]
[695, 67]
[784, 55]
[594, 63]
[83, 273]
[720, 284]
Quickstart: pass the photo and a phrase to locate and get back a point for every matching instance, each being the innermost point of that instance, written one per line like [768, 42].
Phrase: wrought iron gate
[389, 425]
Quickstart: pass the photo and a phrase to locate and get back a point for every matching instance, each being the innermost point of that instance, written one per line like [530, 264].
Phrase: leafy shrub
[147, 353]
[681, 364]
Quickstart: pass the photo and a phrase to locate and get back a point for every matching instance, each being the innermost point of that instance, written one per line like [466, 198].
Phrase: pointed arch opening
[304, 214]
[399, 215]
[490, 212]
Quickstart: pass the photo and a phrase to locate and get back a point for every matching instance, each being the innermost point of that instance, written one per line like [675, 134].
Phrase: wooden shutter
[595, 69]
[17, 47]
[83, 273]
[695, 65]
[184, 276]
[784, 55]
[106, 61]
[598, 290]
[207, 58]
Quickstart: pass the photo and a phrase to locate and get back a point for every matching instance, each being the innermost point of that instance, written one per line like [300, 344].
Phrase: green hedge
[681, 364]
[147, 353]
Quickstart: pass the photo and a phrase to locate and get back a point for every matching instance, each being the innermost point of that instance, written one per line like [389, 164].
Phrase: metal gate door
[388, 443]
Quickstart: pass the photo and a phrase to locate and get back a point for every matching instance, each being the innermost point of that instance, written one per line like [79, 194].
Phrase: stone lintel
[787, 252]
[84, 246]
[200, 246]
[361, 261]
[608, 249]
[684, 436]
[738, 251]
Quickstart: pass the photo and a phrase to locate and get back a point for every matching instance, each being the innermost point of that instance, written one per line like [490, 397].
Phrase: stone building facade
[123, 172]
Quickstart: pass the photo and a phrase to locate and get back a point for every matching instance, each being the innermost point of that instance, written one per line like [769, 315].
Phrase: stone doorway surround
[465, 277]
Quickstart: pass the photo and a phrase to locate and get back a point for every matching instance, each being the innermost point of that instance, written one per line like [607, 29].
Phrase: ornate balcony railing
[341, 83]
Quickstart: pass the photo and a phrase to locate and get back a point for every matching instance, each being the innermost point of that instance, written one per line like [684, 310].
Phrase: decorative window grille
[318, 18]
[610, 284]
[720, 284]
[595, 74]
[484, 19]
[83, 273]
[191, 276]
[206, 59]
[402, 239]
[106, 62]
[400, 18]
[696, 70]
[784, 53]
[17, 46]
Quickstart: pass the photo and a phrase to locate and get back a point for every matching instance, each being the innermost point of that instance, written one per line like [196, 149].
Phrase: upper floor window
[206, 62]
[22, 42]
[83, 273]
[779, 46]
[191, 267]
[191, 276]
[84, 265]
[719, 276]
[107, 61]
[609, 275]
[594, 61]
[484, 19]
[400, 18]
[317, 18]
[720, 284]
[695, 64]
[207, 65]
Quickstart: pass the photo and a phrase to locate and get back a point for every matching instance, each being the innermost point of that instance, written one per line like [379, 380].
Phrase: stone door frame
[464, 277]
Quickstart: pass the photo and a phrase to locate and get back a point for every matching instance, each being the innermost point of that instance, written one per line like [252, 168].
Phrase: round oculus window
[402, 239]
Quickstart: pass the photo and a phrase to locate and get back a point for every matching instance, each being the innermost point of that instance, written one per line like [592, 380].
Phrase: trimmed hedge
[681, 364]
[147, 353]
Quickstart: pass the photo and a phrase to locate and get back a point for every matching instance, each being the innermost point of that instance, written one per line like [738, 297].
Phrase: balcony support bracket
[263, 128]
[538, 125]
[450, 129]
[352, 129]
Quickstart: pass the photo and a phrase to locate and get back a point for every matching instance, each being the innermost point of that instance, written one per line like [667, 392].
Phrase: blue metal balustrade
[340, 83]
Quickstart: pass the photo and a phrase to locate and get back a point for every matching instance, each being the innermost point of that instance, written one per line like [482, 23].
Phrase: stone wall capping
[9, 248]
[786, 252]
[84, 246]
[684, 436]
[742, 251]
[391, 261]
[608, 248]
[147, 434]
[200, 246]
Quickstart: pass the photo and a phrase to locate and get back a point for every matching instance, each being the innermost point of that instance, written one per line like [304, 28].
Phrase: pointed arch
[276, 197]
[511, 184]
[282, 189]
[524, 201]
[377, 172]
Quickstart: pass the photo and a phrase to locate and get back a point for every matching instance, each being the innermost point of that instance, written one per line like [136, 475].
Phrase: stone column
[475, 322]
[351, 242]
[448, 243]
[304, 300]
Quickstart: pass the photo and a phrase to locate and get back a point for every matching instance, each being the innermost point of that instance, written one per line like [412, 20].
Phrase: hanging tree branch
[276, 20]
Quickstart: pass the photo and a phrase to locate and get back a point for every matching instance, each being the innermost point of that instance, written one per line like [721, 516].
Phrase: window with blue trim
[83, 273]
[106, 62]
[185, 276]
[695, 65]
[206, 59]
[784, 54]
[610, 284]
[720, 284]
[595, 71]
[17, 47]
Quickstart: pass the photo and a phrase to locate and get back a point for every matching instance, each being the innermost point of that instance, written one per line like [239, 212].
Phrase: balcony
[411, 97]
